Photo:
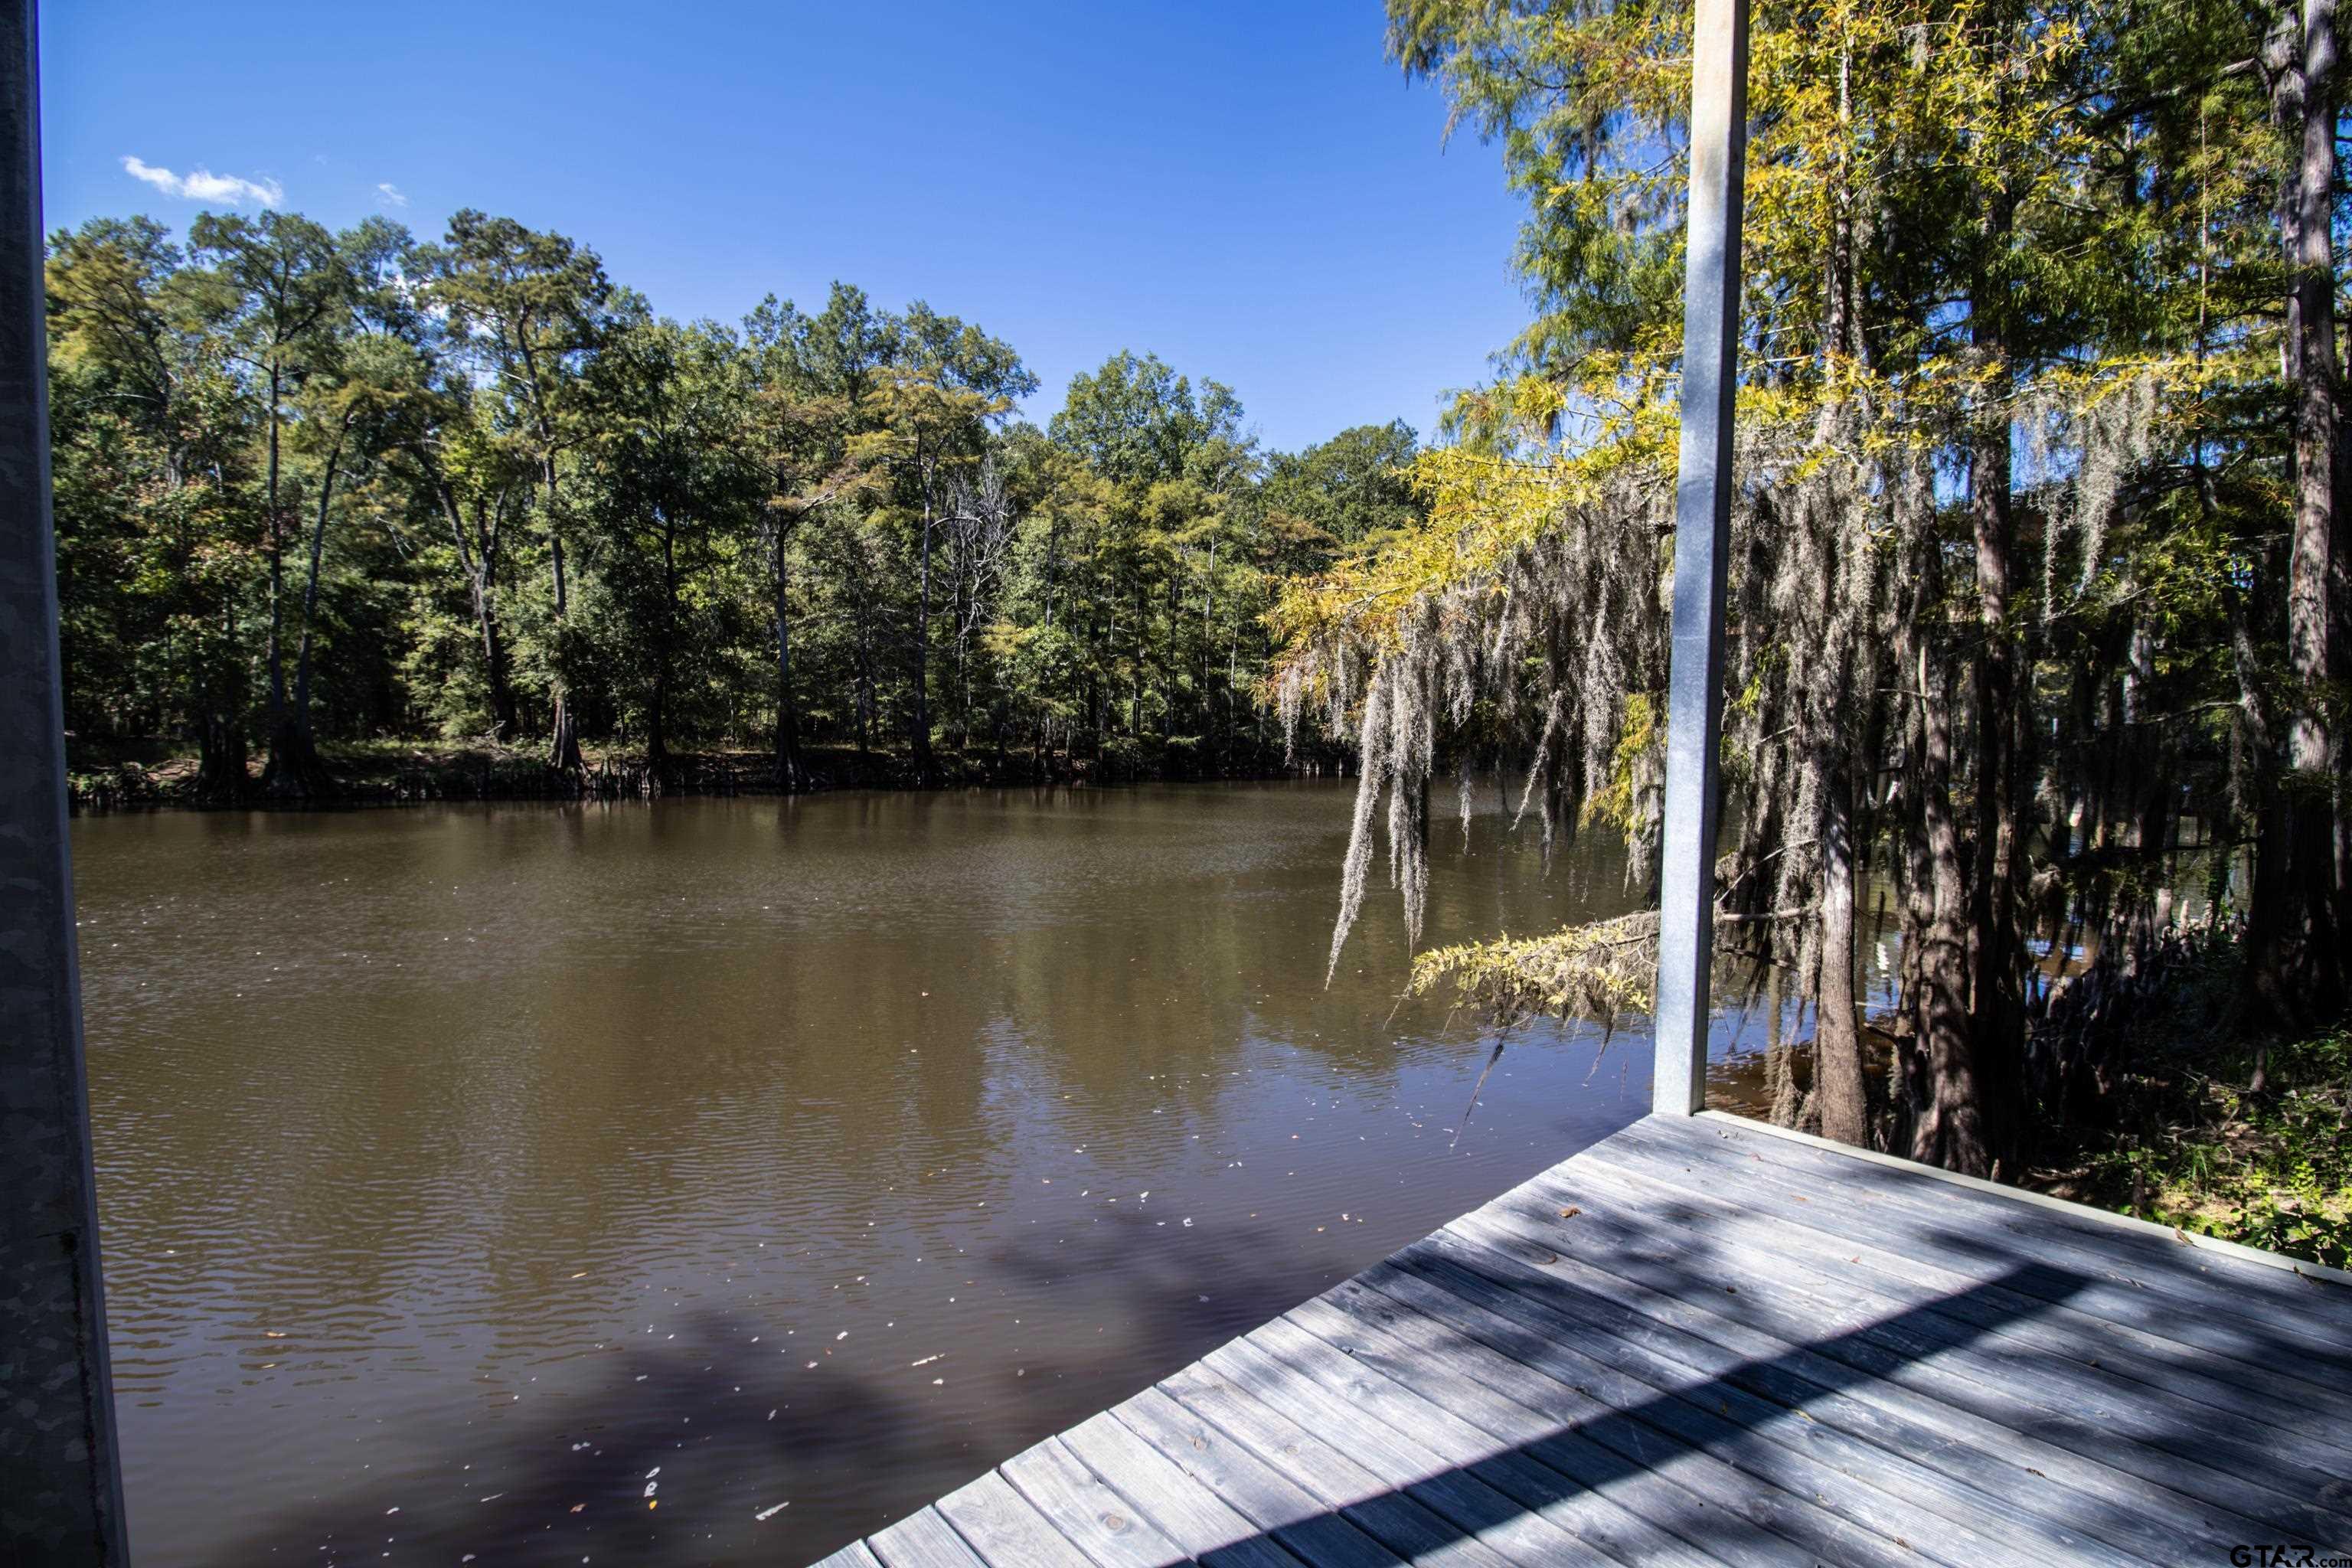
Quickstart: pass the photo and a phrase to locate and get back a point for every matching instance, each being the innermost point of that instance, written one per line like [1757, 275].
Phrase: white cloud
[388, 195]
[203, 185]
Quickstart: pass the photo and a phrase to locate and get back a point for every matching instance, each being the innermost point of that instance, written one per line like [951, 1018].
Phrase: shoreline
[420, 773]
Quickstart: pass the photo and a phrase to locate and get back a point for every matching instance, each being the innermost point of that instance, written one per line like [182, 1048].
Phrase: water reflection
[473, 1162]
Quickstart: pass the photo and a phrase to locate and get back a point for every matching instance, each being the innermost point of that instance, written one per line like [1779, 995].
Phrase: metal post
[60, 1490]
[1718, 135]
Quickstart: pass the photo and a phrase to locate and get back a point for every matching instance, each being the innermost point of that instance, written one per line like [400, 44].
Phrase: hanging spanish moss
[1526, 627]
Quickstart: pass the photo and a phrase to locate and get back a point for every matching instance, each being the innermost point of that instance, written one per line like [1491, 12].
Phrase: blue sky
[1251, 192]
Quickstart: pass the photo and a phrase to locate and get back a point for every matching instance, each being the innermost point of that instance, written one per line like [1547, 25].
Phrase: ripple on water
[474, 1161]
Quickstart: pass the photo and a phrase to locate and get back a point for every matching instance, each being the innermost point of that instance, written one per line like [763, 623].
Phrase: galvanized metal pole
[1718, 134]
[60, 1491]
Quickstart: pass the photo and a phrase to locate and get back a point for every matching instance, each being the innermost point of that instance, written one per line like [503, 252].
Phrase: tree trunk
[2255, 796]
[481, 584]
[310, 586]
[2154, 805]
[1839, 1084]
[294, 769]
[1780, 1070]
[790, 777]
[282, 774]
[563, 730]
[221, 774]
[920, 726]
[867, 707]
[657, 759]
[276, 545]
[1208, 659]
[962, 591]
[1995, 951]
[1948, 1126]
[1997, 1013]
[1052, 552]
[1840, 1088]
[2300, 939]
[657, 763]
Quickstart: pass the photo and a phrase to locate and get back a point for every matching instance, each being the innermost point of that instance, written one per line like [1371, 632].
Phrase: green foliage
[522, 483]
[1354, 489]
[667, 494]
[2199, 1151]
[1137, 421]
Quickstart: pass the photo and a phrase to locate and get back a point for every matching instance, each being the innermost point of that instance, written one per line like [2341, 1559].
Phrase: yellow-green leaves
[1599, 972]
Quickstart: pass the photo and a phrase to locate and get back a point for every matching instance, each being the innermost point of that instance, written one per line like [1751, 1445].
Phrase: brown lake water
[461, 1168]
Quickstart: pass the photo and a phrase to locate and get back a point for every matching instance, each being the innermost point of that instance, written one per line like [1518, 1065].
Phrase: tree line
[2039, 611]
[316, 488]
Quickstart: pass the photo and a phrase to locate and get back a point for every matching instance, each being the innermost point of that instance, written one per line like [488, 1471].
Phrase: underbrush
[2219, 1131]
[2207, 1153]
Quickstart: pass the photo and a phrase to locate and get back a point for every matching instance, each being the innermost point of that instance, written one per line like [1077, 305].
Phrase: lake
[715, 1180]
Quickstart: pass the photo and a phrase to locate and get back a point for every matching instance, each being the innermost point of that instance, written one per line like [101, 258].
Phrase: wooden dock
[1702, 1344]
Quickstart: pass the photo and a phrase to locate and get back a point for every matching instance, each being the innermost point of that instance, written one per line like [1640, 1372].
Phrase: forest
[321, 496]
[2040, 622]
[2039, 613]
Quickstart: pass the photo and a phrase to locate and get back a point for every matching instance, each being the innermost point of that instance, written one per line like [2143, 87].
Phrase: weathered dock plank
[1088, 1509]
[1705, 1346]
